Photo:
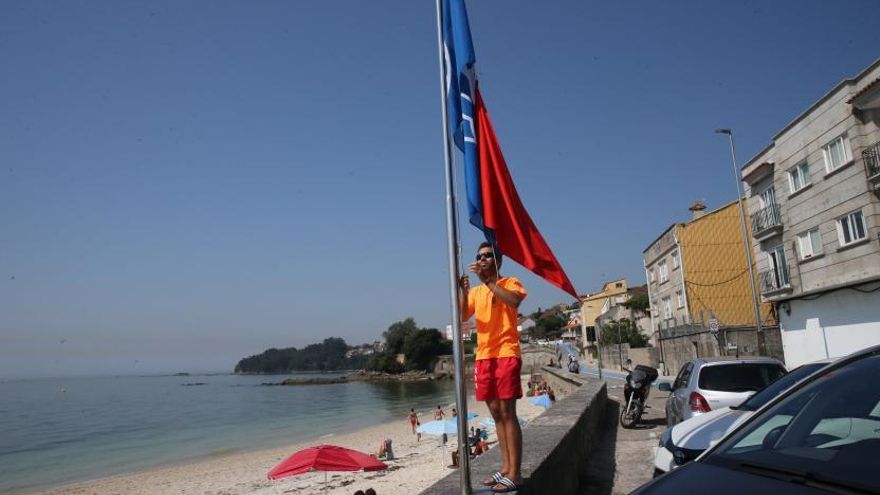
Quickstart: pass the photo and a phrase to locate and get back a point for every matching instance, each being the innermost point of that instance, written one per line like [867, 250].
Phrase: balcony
[775, 281]
[871, 157]
[766, 222]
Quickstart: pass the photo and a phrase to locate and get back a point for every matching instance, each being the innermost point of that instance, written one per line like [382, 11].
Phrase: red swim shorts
[498, 378]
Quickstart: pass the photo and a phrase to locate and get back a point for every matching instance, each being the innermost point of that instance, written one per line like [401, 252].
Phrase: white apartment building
[815, 220]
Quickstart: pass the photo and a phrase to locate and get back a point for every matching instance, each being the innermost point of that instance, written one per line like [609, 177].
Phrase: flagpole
[454, 275]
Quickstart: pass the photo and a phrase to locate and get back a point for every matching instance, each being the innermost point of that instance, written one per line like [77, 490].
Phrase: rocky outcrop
[363, 376]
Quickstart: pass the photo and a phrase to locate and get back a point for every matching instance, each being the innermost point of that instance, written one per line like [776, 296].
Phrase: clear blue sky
[183, 184]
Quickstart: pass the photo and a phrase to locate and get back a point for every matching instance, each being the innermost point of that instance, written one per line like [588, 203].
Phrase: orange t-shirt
[497, 335]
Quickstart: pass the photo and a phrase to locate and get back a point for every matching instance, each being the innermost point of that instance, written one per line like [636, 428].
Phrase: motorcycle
[635, 394]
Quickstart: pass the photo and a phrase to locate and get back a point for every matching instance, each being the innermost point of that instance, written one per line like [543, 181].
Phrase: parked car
[685, 441]
[820, 436]
[706, 384]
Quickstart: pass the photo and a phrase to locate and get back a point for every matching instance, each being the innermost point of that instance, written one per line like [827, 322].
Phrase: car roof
[821, 361]
[729, 359]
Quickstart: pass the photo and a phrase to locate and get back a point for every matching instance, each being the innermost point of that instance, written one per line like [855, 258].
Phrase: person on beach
[498, 362]
[413, 420]
[438, 413]
[454, 413]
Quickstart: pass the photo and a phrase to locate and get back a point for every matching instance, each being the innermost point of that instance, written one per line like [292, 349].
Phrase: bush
[623, 332]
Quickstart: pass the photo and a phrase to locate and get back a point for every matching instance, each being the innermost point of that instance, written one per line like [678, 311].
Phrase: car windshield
[825, 435]
[784, 382]
[739, 377]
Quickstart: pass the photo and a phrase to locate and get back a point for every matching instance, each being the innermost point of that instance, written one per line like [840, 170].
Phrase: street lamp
[745, 231]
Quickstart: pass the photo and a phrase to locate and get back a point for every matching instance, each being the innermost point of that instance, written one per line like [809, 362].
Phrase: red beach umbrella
[325, 458]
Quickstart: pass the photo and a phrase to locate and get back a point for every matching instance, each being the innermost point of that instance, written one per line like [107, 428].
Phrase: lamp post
[745, 232]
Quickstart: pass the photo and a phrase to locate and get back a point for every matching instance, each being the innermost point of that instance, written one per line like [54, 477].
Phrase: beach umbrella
[490, 423]
[472, 415]
[542, 400]
[325, 458]
[439, 427]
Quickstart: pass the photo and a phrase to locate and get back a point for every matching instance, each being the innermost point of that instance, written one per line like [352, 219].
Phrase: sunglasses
[488, 255]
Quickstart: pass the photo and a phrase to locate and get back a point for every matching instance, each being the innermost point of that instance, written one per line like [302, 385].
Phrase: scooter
[635, 394]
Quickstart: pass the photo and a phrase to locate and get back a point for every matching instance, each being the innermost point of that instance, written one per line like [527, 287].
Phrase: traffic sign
[713, 325]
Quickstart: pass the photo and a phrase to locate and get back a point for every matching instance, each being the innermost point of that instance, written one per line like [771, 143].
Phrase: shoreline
[417, 465]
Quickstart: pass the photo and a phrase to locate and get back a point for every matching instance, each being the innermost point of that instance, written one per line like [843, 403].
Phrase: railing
[871, 157]
[775, 279]
[766, 218]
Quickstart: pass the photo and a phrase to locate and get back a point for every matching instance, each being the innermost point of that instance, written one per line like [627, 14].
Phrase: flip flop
[507, 486]
[496, 478]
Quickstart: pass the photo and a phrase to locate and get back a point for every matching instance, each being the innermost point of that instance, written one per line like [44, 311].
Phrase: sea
[55, 431]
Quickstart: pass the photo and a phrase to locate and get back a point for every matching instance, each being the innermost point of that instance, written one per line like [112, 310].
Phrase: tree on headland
[419, 346]
[397, 333]
[422, 347]
[329, 355]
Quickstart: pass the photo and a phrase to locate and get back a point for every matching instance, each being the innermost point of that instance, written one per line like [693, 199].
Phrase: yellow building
[592, 305]
[698, 270]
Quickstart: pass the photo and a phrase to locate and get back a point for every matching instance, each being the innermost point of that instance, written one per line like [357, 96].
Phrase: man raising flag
[494, 207]
[498, 363]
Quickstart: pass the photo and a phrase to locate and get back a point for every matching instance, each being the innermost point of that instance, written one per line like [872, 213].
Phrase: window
[618, 285]
[651, 275]
[680, 299]
[778, 275]
[667, 307]
[810, 244]
[799, 177]
[675, 261]
[767, 198]
[851, 228]
[683, 376]
[664, 272]
[739, 377]
[836, 154]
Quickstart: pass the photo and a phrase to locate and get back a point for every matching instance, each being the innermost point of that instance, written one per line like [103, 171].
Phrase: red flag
[515, 234]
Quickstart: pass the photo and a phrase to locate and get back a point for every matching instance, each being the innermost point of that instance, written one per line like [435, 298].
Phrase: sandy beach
[418, 464]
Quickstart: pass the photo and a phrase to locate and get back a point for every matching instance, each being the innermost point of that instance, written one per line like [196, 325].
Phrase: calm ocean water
[55, 431]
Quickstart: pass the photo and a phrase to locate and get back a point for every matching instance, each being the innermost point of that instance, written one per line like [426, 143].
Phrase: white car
[685, 441]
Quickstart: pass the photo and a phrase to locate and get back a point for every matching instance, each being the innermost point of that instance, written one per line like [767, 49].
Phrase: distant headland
[408, 353]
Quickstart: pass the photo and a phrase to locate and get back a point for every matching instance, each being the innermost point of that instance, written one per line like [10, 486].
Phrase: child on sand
[413, 420]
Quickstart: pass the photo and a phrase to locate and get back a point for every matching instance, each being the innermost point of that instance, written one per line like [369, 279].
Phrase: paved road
[567, 348]
[624, 459]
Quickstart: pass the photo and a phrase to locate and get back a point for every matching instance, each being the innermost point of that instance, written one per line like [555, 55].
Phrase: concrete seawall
[556, 444]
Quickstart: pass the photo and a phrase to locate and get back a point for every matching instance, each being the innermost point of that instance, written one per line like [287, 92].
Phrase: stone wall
[648, 356]
[555, 443]
[536, 357]
[612, 357]
[562, 382]
[683, 344]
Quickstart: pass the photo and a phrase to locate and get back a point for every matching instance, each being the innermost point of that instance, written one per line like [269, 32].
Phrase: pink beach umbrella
[325, 458]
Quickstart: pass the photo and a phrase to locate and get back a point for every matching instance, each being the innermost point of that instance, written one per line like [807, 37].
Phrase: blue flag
[461, 83]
